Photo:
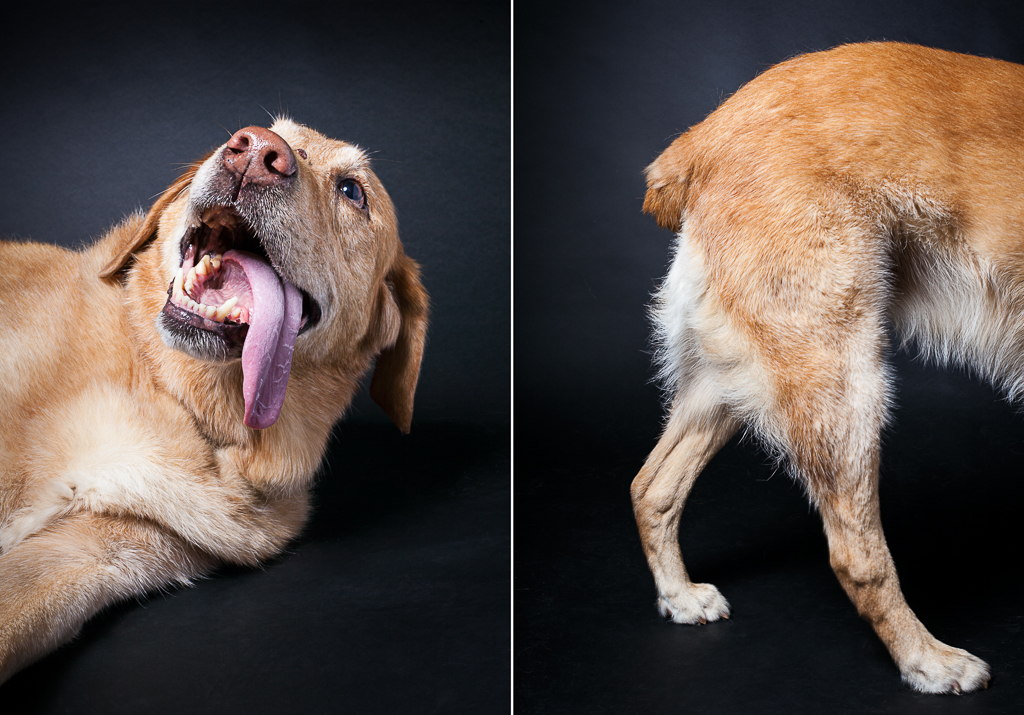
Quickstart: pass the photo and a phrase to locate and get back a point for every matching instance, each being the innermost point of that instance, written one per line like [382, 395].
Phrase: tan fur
[126, 465]
[834, 195]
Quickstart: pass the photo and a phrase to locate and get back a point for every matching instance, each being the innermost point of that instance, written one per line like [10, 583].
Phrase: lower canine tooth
[225, 310]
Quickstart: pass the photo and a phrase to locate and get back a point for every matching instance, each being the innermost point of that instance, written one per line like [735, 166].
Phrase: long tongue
[267, 353]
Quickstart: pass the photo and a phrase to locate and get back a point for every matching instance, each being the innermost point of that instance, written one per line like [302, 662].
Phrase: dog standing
[166, 395]
[834, 195]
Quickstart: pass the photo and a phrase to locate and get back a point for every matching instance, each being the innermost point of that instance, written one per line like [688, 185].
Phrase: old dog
[170, 414]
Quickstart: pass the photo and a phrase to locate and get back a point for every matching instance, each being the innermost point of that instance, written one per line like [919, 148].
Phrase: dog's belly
[961, 307]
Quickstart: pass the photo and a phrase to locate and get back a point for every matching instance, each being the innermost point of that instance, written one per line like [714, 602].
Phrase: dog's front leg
[861, 560]
[222, 513]
[56, 579]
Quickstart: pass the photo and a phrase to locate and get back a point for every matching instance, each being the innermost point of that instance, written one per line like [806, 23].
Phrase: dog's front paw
[696, 603]
[943, 669]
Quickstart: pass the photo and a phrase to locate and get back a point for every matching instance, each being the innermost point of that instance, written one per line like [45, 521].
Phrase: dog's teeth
[179, 282]
[191, 276]
[216, 261]
[236, 313]
[211, 311]
[193, 306]
[204, 266]
[225, 310]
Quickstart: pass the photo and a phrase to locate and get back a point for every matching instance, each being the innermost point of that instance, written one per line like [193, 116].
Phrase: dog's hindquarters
[774, 314]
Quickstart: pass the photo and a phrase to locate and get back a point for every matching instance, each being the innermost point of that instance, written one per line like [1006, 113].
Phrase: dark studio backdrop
[601, 90]
[396, 598]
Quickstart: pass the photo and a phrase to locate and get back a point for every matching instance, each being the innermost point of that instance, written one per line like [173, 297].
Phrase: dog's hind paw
[943, 669]
[696, 603]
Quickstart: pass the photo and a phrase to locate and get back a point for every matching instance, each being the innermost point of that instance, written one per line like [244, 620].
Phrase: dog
[835, 195]
[166, 411]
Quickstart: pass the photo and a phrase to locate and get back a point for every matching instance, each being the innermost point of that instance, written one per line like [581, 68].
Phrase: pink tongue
[267, 354]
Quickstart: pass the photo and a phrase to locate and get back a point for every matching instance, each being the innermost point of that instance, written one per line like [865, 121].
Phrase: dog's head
[282, 247]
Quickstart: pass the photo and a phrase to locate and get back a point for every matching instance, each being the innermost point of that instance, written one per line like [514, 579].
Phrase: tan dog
[145, 427]
[835, 194]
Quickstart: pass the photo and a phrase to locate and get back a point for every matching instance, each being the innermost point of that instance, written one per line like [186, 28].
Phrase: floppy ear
[148, 228]
[398, 367]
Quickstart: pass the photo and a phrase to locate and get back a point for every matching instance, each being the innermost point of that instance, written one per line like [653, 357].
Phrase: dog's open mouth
[227, 288]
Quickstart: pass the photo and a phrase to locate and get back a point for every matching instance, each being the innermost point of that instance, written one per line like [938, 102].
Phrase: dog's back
[892, 163]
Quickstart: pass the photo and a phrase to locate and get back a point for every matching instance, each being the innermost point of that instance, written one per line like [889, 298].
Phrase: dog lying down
[171, 415]
[836, 194]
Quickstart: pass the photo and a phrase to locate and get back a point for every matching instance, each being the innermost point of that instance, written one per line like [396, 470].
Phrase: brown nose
[258, 156]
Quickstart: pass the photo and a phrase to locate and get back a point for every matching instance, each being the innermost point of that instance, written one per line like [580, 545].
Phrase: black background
[397, 597]
[601, 90]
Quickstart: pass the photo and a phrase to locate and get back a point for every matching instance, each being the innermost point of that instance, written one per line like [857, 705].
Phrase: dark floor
[396, 599]
[588, 638]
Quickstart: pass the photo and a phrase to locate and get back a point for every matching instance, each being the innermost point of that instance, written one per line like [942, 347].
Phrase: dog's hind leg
[697, 428]
[861, 560]
[829, 418]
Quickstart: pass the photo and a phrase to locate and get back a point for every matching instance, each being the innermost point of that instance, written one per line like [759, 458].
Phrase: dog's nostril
[283, 162]
[239, 143]
[278, 165]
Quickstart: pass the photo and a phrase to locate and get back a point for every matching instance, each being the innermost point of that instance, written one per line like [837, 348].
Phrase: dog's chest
[99, 451]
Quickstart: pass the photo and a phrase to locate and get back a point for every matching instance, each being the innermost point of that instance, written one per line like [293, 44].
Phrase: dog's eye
[353, 191]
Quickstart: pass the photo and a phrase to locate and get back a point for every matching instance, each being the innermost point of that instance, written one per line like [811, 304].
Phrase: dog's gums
[207, 278]
[216, 291]
[224, 281]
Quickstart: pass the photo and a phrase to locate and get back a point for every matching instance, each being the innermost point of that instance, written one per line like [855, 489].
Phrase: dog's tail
[668, 184]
